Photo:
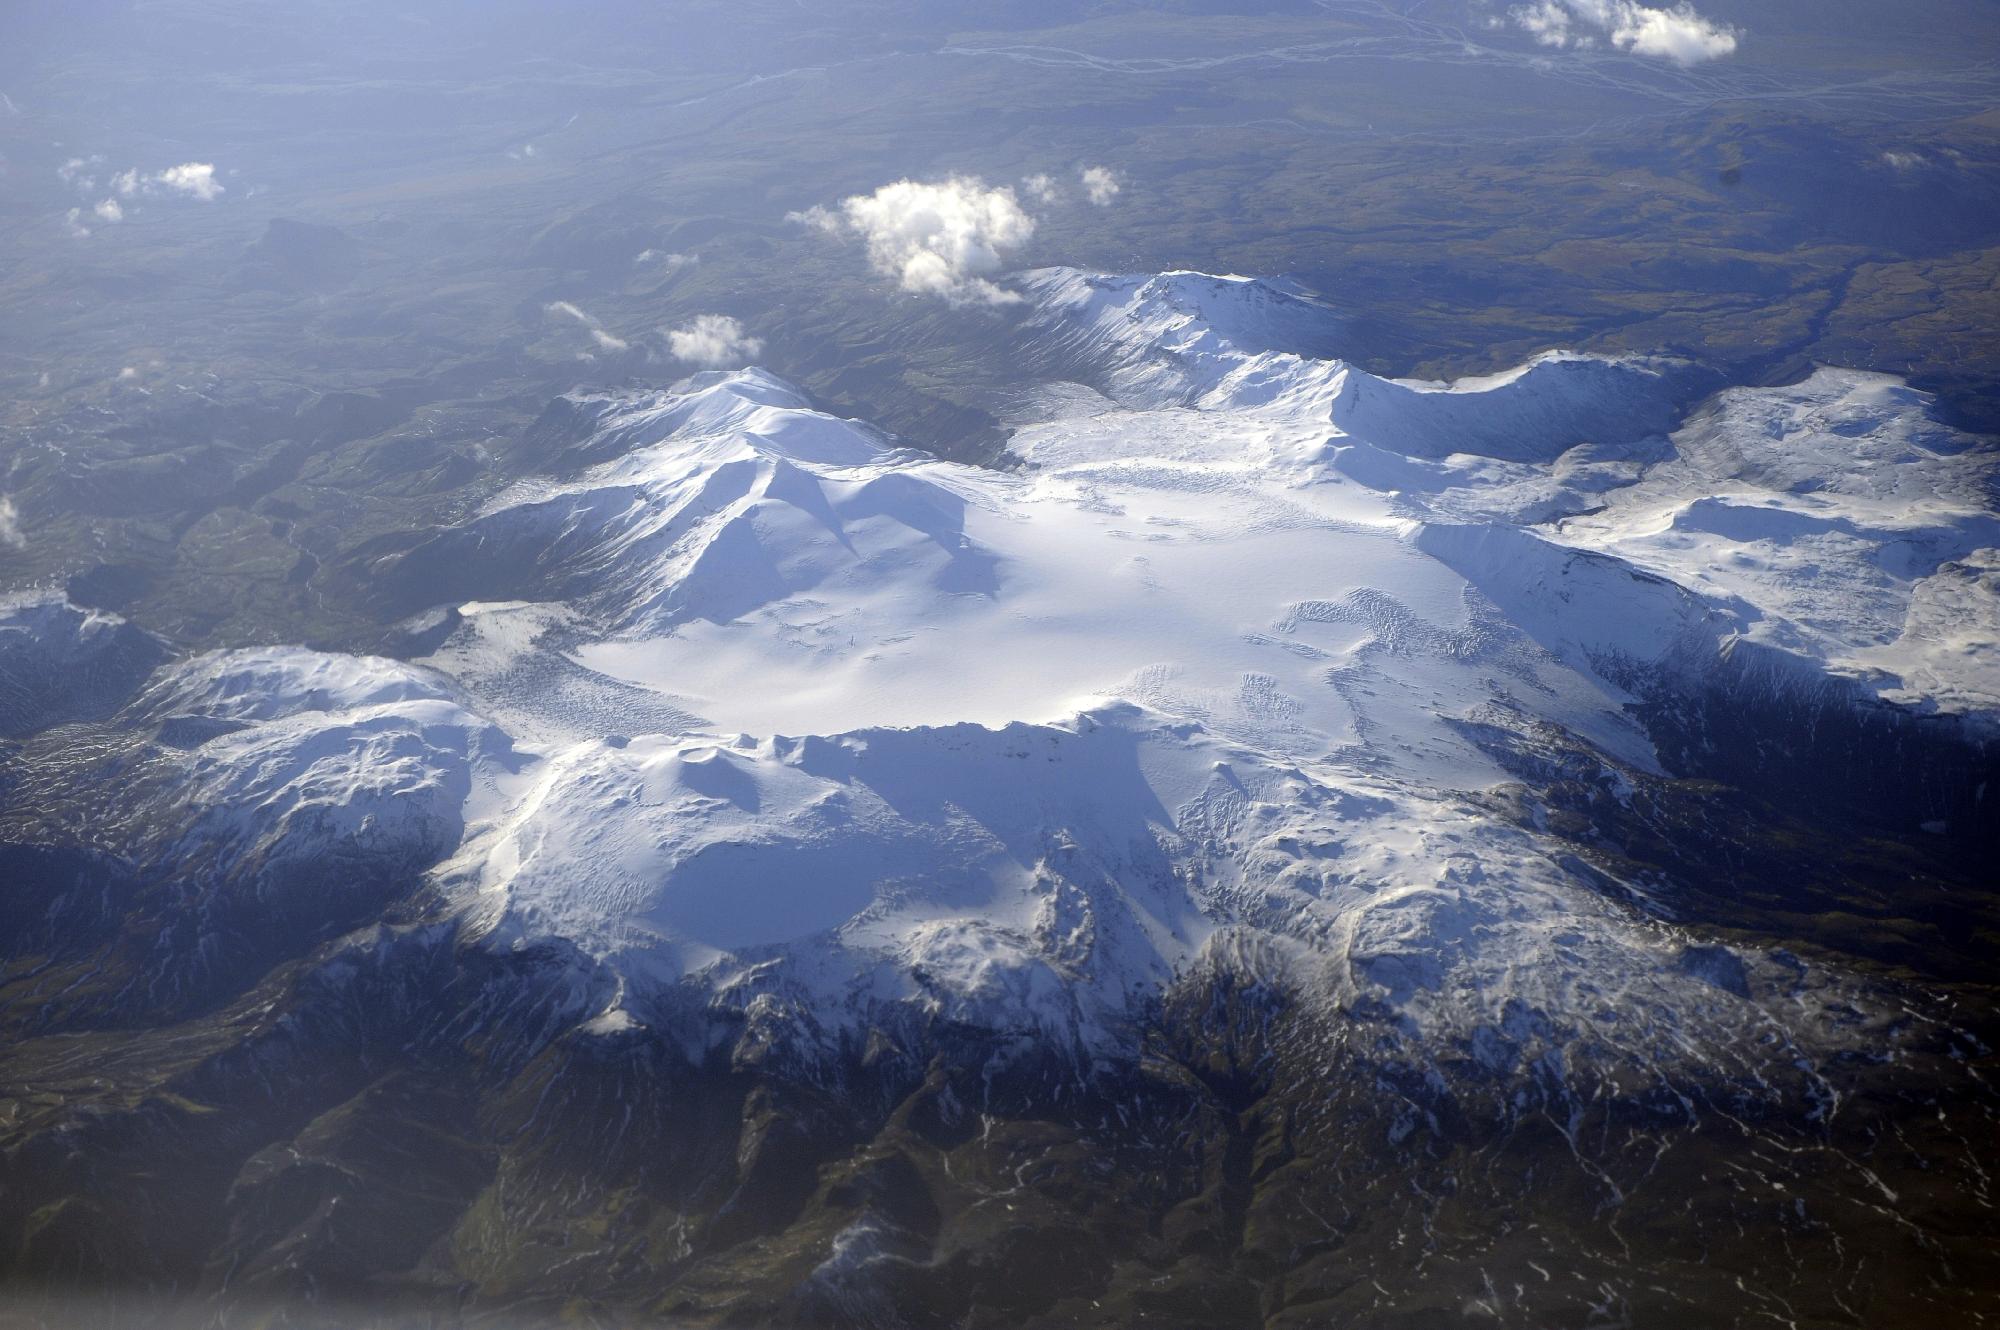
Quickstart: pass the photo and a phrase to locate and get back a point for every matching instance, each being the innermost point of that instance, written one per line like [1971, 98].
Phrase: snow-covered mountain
[764, 715]
[1290, 830]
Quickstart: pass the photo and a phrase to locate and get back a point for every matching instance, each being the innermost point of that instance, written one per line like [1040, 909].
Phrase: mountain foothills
[1290, 848]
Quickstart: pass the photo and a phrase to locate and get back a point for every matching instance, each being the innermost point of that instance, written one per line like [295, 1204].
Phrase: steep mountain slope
[59, 663]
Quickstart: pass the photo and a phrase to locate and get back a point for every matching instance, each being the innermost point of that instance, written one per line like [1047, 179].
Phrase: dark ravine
[1826, 748]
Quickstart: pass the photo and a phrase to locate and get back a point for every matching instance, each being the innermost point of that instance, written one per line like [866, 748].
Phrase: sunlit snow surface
[767, 710]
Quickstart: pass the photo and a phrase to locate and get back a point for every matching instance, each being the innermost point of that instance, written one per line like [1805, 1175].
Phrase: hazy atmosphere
[1024, 664]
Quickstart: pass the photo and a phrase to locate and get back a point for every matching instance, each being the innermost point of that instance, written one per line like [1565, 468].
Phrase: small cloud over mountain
[194, 179]
[1676, 32]
[665, 261]
[80, 172]
[945, 239]
[605, 341]
[713, 341]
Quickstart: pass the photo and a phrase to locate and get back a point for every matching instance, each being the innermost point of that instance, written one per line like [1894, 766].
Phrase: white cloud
[1100, 184]
[605, 341]
[817, 217]
[196, 179]
[660, 258]
[77, 172]
[73, 225]
[945, 239]
[1547, 22]
[713, 341]
[1042, 188]
[129, 373]
[10, 524]
[1676, 32]
[1903, 161]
